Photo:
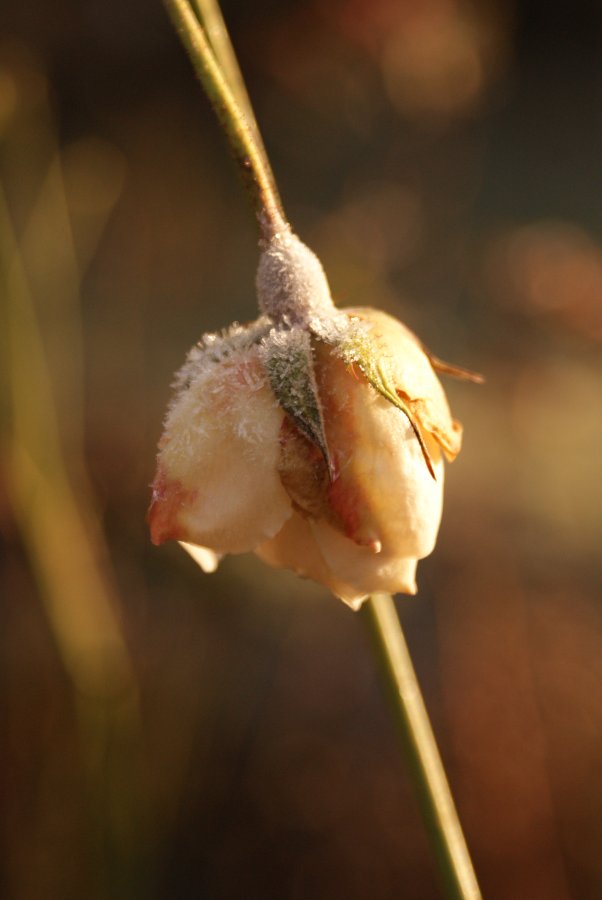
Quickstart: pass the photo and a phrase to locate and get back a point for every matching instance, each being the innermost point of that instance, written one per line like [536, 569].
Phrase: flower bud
[313, 437]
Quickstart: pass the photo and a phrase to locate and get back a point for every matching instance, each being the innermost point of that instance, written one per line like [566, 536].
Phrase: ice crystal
[215, 348]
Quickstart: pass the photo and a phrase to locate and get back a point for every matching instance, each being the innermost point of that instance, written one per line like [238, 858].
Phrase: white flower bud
[319, 448]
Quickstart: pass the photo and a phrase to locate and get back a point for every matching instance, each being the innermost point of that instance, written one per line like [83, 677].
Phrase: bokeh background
[166, 734]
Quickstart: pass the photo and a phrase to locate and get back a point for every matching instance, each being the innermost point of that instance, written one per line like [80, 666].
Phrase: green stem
[239, 133]
[436, 801]
[210, 16]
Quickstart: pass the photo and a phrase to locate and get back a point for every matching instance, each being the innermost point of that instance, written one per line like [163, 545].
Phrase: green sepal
[289, 363]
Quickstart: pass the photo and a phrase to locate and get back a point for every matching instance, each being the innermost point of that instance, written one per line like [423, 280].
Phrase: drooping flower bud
[314, 437]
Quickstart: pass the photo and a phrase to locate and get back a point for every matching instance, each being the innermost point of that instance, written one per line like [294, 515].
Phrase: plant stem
[434, 795]
[211, 19]
[240, 134]
[210, 16]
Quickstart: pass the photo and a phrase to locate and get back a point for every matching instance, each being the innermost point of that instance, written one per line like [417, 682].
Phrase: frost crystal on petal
[221, 375]
[216, 348]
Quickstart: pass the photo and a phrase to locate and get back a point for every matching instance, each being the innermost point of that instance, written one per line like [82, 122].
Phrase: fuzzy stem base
[428, 774]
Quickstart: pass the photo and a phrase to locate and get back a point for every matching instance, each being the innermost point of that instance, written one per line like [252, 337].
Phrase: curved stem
[239, 133]
[436, 801]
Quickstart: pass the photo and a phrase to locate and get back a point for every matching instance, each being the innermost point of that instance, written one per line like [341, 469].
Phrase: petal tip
[207, 559]
[354, 603]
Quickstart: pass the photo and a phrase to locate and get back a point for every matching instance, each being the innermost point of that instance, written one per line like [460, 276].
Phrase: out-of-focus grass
[55, 510]
[260, 757]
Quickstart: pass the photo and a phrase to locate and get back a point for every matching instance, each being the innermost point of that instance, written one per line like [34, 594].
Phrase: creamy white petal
[414, 376]
[295, 548]
[384, 494]
[356, 572]
[402, 500]
[317, 551]
[217, 483]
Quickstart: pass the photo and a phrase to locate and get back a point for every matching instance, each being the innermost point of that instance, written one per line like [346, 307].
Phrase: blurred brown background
[166, 734]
